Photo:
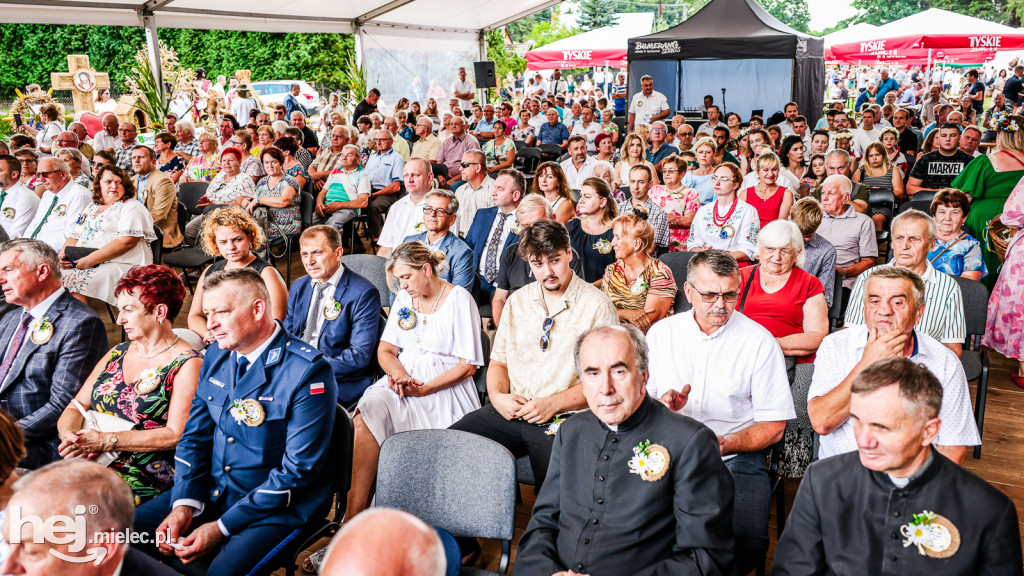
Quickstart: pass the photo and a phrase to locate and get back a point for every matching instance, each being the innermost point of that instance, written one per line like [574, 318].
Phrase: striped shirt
[943, 317]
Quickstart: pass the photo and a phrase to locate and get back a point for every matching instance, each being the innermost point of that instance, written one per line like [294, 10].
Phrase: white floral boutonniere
[649, 461]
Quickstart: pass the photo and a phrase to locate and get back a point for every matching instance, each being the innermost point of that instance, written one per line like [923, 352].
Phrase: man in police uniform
[632, 487]
[252, 465]
[897, 505]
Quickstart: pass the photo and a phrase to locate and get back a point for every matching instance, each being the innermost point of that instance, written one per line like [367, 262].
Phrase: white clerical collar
[902, 482]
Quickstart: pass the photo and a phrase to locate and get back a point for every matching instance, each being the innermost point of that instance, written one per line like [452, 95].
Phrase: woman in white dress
[119, 227]
[430, 350]
[727, 223]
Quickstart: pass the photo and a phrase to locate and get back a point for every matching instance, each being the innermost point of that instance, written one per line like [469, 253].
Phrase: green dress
[988, 190]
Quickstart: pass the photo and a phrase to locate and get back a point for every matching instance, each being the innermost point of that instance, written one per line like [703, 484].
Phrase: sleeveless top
[767, 210]
[258, 265]
[883, 182]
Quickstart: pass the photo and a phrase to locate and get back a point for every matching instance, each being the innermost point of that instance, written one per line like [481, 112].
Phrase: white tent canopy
[934, 21]
[419, 23]
[854, 33]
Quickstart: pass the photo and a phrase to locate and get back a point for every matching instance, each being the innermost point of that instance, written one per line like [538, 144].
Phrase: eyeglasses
[127, 131]
[48, 173]
[669, 171]
[428, 211]
[717, 179]
[657, 130]
[712, 297]
[468, 164]
[545, 338]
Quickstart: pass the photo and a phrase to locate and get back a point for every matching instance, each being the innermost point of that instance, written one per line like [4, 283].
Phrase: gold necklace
[155, 354]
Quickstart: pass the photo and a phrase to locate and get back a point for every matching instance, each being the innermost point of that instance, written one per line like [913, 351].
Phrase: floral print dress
[148, 474]
[1004, 328]
[678, 203]
[287, 220]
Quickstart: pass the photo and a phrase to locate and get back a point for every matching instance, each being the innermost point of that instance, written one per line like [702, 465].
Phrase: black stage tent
[737, 52]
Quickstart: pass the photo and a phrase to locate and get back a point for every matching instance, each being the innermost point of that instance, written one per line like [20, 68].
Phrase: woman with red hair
[147, 381]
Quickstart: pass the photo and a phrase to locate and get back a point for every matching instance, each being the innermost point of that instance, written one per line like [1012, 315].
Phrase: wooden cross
[81, 80]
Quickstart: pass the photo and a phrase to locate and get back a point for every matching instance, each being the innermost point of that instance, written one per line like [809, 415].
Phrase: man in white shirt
[107, 139]
[475, 193]
[648, 105]
[59, 208]
[791, 110]
[894, 300]
[723, 369]
[18, 203]
[538, 117]
[579, 165]
[405, 217]
[588, 128]
[558, 86]
[913, 237]
[464, 90]
[866, 134]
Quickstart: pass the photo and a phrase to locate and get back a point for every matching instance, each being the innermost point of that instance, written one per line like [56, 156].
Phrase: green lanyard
[47, 215]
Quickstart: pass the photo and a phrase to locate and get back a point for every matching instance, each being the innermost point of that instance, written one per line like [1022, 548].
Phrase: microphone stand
[724, 111]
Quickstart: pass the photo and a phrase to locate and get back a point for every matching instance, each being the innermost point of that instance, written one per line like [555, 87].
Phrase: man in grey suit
[48, 347]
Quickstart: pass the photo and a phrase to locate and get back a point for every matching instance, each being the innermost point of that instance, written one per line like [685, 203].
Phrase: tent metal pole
[153, 47]
[482, 47]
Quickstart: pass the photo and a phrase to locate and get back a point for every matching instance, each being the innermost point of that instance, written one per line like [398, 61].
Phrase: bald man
[384, 542]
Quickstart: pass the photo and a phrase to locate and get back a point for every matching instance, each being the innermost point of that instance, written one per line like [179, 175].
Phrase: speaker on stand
[484, 74]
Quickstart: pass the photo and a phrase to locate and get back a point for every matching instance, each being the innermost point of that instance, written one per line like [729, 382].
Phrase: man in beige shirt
[530, 382]
[428, 146]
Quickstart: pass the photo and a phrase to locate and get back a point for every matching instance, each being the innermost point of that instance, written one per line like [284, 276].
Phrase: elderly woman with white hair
[779, 295]
[605, 171]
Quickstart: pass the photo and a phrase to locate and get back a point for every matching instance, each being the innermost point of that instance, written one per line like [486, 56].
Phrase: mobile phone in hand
[17, 121]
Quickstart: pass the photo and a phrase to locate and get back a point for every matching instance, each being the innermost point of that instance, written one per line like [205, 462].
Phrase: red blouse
[780, 312]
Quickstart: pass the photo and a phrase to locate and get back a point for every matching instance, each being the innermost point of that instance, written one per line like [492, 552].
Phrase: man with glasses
[453, 147]
[684, 136]
[439, 210]
[123, 156]
[474, 188]
[384, 169]
[345, 191]
[18, 203]
[60, 205]
[427, 145]
[659, 150]
[937, 169]
[530, 383]
[329, 158]
[726, 371]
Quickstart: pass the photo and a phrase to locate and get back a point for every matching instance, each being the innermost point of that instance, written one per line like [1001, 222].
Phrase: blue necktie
[243, 364]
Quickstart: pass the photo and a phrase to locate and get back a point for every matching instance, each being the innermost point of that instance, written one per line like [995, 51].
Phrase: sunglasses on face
[468, 164]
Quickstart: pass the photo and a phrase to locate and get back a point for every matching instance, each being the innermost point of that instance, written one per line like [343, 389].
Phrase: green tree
[42, 49]
[548, 32]
[505, 60]
[595, 14]
[792, 13]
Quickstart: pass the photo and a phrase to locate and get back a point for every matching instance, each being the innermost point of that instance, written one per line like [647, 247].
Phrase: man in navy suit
[495, 228]
[253, 464]
[336, 311]
[439, 210]
[50, 344]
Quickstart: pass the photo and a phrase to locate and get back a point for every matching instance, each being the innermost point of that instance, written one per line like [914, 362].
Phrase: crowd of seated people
[665, 387]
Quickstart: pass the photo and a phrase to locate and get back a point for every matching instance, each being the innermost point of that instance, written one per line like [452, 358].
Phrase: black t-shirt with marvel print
[937, 171]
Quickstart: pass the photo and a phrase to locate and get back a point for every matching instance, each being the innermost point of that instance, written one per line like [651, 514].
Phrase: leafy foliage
[878, 12]
[595, 14]
[793, 13]
[39, 49]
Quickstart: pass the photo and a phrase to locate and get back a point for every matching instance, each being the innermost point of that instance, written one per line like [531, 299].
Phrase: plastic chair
[371, 267]
[341, 451]
[975, 359]
[306, 205]
[678, 262]
[480, 377]
[835, 311]
[189, 194]
[550, 152]
[157, 246]
[527, 160]
[457, 481]
[921, 201]
[189, 259]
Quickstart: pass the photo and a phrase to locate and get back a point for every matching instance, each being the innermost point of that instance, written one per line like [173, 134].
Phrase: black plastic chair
[520, 144]
[678, 262]
[975, 359]
[835, 311]
[439, 170]
[157, 246]
[341, 452]
[921, 201]
[189, 194]
[550, 152]
[527, 160]
[190, 259]
[480, 376]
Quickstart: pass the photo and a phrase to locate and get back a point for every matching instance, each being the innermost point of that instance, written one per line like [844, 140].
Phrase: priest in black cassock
[632, 488]
[897, 506]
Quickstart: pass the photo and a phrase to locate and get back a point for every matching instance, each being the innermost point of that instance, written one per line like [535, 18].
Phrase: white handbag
[102, 422]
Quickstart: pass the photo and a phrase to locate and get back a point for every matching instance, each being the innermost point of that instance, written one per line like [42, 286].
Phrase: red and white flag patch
[317, 388]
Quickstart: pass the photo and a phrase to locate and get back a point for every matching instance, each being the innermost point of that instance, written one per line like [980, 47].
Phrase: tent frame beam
[523, 14]
[379, 11]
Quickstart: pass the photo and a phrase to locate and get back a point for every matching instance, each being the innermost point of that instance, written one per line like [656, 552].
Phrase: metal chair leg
[982, 396]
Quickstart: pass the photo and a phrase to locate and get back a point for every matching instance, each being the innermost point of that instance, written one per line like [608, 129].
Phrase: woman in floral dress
[279, 193]
[679, 202]
[1004, 330]
[149, 381]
